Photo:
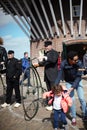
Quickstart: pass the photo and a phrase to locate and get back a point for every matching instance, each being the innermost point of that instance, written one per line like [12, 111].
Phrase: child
[61, 101]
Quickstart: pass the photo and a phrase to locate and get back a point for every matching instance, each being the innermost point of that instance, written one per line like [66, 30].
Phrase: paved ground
[13, 118]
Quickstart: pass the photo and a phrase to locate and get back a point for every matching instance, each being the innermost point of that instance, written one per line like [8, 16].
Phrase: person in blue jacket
[70, 69]
[26, 68]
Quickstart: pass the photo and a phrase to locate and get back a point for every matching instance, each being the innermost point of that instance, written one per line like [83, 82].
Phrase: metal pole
[32, 16]
[40, 18]
[54, 18]
[27, 19]
[15, 19]
[62, 17]
[45, 14]
[18, 15]
[71, 17]
[80, 19]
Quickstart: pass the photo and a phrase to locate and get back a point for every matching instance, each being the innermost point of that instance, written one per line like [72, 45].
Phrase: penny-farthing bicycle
[31, 94]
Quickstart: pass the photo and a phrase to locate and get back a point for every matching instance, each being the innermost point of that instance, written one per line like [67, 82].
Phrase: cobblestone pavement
[13, 118]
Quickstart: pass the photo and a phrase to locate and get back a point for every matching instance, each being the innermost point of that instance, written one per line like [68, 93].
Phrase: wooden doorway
[80, 46]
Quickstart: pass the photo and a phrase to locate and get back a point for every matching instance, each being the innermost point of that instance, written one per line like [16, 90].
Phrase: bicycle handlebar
[33, 58]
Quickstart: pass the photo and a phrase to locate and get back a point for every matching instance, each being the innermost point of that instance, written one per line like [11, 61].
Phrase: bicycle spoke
[30, 93]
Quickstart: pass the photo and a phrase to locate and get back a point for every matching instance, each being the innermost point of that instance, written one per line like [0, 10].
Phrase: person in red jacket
[61, 102]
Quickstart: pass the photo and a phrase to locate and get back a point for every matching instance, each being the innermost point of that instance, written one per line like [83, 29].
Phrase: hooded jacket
[66, 101]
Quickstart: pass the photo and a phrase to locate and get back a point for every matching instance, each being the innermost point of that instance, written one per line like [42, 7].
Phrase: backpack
[1, 54]
[3, 58]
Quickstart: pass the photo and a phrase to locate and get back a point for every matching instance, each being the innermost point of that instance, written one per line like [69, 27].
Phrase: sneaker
[17, 105]
[64, 127]
[73, 122]
[55, 129]
[5, 105]
[49, 108]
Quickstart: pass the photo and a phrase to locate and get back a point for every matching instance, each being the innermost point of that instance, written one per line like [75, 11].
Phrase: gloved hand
[42, 58]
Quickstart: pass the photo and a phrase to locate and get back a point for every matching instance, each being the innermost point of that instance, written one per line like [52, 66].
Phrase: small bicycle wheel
[30, 93]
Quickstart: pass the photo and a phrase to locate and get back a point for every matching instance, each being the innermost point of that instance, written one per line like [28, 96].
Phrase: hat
[47, 43]
[10, 52]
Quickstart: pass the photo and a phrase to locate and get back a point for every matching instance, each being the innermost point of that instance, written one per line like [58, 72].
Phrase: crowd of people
[14, 68]
[69, 71]
[55, 70]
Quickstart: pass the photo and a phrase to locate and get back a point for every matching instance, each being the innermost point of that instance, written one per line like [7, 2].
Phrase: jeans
[26, 76]
[80, 94]
[59, 115]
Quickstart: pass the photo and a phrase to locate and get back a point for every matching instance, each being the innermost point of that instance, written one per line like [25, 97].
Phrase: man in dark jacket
[13, 72]
[49, 60]
[70, 68]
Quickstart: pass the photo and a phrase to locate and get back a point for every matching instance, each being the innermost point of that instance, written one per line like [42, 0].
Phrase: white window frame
[76, 10]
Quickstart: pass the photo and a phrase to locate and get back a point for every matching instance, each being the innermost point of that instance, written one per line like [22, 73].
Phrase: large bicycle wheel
[41, 89]
[30, 94]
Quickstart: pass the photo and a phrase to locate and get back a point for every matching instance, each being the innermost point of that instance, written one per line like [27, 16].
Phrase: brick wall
[57, 42]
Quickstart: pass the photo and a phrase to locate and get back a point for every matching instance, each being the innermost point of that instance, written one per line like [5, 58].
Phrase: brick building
[62, 21]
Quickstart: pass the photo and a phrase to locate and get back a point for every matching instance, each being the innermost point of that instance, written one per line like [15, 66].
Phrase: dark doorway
[80, 48]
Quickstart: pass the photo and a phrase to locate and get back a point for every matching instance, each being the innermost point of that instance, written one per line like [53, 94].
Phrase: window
[76, 10]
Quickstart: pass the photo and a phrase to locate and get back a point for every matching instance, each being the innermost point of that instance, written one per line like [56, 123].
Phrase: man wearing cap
[49, 60]
[13, 72]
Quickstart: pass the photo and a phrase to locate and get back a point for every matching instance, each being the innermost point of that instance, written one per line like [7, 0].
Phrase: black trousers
[49, 83]
[13, 84]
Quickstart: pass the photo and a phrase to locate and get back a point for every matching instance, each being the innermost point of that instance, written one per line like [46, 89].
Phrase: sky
[13, 36]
